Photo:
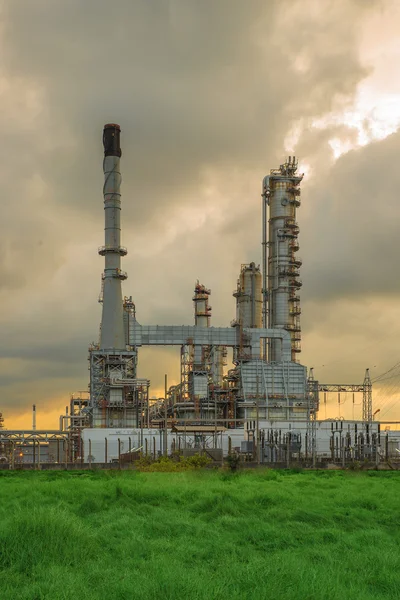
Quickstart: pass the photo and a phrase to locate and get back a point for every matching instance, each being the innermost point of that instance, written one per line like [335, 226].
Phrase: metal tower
[313, 406]
[198, 378]
[112, 325]
[367, 398]
[248, 296]
[117, 397]
[281, 302]
[194, 357]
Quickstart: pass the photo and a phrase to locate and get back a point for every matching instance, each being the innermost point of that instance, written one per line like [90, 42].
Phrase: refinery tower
[281, 283]
[112, 325]
[117, 397]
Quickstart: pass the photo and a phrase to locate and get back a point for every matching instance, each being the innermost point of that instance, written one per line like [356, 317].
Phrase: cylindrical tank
[202, 311]
[217, 362]
[282, 275]
[248, 297]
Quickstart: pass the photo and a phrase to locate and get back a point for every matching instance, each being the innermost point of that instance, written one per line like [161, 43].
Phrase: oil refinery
[264, 405]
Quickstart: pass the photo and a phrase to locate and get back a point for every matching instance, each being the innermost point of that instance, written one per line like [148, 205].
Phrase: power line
[388, 390]
[378, 377]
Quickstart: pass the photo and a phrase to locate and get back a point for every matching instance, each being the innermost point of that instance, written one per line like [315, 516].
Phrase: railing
[296, 283]
[289, 271]
[296, 261]
[121, 250]
[293, 327]
[289, 222]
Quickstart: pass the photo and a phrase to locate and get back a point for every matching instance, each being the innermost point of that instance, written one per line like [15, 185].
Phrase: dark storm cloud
[205, 93]
[193, 85]
[355, 225]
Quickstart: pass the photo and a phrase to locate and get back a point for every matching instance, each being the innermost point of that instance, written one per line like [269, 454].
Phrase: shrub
[233, 461]
[174, 463]
[198, 461]
[355, 465]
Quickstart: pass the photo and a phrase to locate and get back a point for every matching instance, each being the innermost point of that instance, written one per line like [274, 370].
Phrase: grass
[199, 535]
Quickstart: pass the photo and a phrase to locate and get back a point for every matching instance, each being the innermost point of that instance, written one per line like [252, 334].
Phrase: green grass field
[199, 535]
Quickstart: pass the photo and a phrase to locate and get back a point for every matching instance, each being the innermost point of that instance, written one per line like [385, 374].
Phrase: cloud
[353, 223]
[206, 94]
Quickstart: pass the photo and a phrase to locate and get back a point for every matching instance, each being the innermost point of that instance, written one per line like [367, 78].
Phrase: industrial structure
[265, 400]
[264, 337]
[265, 382]
[265, 371]
[117, 397]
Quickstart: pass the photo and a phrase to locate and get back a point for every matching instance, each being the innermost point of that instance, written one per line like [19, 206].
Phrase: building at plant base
[266, 386]
[279, 441]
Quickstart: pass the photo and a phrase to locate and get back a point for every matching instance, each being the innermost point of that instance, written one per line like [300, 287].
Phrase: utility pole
[257, 425]
[312, 398]
[165, 417]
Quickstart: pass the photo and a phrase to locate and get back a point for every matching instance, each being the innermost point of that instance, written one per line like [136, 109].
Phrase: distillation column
[248, 306]
[202, 315]
[194, 357]
[112, 333]
[281, 302]
[199, 376]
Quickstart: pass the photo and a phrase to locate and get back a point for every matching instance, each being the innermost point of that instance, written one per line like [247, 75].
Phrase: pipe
[166, 335]
[264, 195]
[281, 334]
[253, 296]
[165, 440]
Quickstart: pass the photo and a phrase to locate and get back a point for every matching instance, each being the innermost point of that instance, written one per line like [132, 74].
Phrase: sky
[210, 96]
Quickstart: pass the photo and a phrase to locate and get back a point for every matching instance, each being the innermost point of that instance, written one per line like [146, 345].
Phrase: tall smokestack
[112, 323]
[34, 417]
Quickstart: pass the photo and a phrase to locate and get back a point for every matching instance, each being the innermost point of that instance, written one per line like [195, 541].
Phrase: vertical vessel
[112, 333]
[281, 283]
[117, 397]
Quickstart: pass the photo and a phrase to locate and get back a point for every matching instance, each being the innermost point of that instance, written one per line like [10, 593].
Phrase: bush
[173, 464]
[233, 461]
[198, 461]
[355, 465]
[144, 461]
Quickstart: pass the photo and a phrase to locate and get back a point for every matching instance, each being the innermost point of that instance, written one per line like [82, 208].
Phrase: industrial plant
[263, 406]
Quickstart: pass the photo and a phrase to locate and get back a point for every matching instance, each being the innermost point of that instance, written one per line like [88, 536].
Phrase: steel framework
[364, 388]
[186, 369]
[117, 397]
[313, 407]
[45, 435]
[367, 398]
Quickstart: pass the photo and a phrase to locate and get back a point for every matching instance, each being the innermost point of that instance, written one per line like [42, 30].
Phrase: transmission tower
[312, 395]
[367, 398]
